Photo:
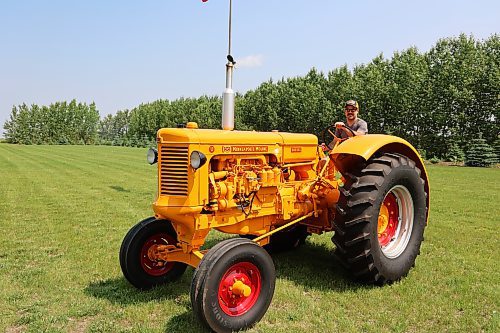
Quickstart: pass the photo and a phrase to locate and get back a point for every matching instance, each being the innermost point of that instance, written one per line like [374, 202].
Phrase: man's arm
[361, 125]
[358, 132]
[362, 128]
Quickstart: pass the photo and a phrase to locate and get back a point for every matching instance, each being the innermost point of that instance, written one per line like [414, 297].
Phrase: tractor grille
[173, 163]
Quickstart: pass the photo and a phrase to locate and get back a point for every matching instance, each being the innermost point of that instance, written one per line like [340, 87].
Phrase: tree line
[438, 100]
[58, 123]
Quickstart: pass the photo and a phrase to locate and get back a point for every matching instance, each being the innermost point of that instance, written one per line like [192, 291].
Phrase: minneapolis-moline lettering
[248, 149]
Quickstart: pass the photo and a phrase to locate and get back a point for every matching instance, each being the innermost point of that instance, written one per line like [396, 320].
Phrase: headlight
[152, 156]
[197, 159]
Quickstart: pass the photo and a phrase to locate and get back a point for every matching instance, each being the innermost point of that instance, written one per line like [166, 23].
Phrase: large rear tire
[380, 220]
[137, 267]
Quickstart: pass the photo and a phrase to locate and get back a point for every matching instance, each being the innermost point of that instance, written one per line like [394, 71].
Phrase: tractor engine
[249, 183]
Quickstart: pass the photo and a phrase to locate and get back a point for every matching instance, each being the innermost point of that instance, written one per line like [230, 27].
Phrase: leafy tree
[11, 127]
[147, 118]
[303, 106]
[460, 99]
[258, 109]
[487, 89]
[114, 128]
[58, 123]
[338, 89]
[405, 77]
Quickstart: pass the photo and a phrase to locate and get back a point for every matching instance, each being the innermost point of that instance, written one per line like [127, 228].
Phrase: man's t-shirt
[359, 125]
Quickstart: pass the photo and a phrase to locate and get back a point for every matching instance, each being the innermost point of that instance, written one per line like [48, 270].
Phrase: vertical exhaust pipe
[228, 100]
[228, 95]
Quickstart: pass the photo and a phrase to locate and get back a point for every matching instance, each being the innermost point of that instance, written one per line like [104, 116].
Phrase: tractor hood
[219, 137]
[287, 147]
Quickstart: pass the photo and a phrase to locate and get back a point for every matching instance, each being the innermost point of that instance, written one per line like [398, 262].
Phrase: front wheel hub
[149, 255]
[239, 288]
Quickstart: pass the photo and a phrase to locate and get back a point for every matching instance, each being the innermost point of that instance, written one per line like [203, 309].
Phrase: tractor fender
[346, 155]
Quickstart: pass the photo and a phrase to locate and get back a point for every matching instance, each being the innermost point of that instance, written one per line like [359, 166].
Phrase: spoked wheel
[137, 261]
[380, 220]
[233, 285]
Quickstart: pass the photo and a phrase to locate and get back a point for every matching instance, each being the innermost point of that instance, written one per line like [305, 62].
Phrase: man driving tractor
[356, 125]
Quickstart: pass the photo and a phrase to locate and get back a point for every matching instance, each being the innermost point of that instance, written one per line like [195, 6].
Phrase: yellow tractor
[272, 190]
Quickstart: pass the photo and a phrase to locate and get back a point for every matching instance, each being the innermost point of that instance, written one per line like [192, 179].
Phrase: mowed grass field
[65, 209]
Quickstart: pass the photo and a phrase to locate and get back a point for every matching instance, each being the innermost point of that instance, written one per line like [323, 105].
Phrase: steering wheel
[329, 134]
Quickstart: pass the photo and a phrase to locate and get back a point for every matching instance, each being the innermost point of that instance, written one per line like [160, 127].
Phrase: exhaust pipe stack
[228, 95]
[228, 98]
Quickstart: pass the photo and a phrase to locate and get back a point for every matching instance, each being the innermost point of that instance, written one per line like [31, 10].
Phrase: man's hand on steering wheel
[329, 133]
[343, 127]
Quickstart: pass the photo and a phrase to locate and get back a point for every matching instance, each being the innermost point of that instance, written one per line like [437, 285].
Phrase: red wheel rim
[388, 220]
[156, 267]
[241, 275]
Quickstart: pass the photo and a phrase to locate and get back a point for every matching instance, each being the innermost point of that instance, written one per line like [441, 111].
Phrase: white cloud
[256, 60]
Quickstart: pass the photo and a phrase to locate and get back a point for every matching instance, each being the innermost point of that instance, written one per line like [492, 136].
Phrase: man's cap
[352, 102]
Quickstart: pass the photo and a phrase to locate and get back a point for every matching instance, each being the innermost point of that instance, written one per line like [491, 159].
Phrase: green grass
[65, 209]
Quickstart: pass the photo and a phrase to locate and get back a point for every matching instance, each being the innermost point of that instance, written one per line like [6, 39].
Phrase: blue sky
[123, 53]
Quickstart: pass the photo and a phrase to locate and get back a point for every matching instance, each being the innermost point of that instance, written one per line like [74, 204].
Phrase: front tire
[233, 285]
[380, 220]
[137, 267]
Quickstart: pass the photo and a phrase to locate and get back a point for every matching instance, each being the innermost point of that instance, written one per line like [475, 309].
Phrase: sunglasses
[350, 109]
